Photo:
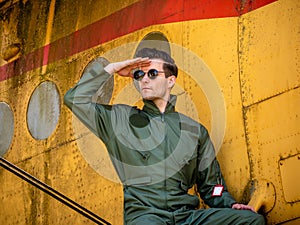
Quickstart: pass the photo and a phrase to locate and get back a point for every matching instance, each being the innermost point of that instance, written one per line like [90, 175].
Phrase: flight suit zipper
[165, 165]
[162, 116]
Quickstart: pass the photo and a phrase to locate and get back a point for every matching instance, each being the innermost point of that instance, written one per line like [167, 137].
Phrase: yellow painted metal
[292, 222]
[269, 59]
[49, 29]
[288, 170]
[255, 61]
[271, 140]
[269, 73]
[56, 161]
[11, 52]
[263, 195]
[220, 54]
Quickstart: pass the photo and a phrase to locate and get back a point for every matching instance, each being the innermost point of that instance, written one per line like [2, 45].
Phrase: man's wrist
[109, 69]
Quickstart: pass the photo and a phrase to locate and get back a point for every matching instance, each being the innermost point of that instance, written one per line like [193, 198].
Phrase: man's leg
[148, 219]
[224, 216]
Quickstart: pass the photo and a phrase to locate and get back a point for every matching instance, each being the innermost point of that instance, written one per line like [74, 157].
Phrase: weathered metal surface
[269, 76]
[273, 135]
[203, 37]
[269, 53]
[289, 168]
[251, 52]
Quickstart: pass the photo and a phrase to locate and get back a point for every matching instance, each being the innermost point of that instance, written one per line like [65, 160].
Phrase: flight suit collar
[150, 107]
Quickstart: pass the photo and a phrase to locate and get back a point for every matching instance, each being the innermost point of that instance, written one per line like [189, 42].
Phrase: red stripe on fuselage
[141, 14]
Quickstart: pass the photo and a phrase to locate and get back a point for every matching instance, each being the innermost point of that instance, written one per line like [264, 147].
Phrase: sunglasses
[152, 74]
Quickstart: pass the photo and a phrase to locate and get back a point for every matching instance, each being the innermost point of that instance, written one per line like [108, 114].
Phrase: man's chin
[148, 97]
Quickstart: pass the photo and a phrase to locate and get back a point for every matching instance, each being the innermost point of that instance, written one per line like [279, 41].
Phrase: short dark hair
[169, 66]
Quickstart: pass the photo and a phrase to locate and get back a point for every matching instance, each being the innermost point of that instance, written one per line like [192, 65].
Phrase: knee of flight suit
[258, 220]
[147, 219]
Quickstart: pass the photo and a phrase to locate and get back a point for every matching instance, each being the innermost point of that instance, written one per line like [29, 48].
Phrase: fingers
[137, 62]
[124, 68]
[243, 207]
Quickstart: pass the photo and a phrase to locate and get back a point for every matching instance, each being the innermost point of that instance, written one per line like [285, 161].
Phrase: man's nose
[145, 78]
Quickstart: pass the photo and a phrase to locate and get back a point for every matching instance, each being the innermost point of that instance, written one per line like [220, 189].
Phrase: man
[158, 153]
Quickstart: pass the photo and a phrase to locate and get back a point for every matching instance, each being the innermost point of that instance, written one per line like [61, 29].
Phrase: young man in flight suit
[157, 152]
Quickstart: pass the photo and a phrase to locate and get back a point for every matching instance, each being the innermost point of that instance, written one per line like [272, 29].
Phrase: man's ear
[172, 81]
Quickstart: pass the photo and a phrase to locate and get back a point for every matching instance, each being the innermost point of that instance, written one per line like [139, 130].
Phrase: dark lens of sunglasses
[138, 75]
[152, 74]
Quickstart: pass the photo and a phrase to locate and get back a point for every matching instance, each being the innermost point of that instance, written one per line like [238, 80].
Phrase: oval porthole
[43, 110]
[155, 40]
[6, 128]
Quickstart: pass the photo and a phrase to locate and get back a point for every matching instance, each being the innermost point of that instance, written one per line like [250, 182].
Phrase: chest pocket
[186, 155]
[138, 181]
[140, 133]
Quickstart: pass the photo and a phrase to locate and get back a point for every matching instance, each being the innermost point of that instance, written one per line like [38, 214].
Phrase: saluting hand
[124, 68]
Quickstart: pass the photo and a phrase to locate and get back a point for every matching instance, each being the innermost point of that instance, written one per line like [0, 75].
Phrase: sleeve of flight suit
[209, 175]
[79, 100]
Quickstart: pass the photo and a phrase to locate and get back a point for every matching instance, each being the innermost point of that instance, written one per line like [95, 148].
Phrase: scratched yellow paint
[270, 56]
[256, 65]
[270, 80]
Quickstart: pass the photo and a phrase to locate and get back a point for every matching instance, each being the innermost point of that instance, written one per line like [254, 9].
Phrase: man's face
[158, 88]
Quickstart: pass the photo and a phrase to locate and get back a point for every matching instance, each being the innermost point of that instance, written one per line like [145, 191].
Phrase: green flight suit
[158, 157]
